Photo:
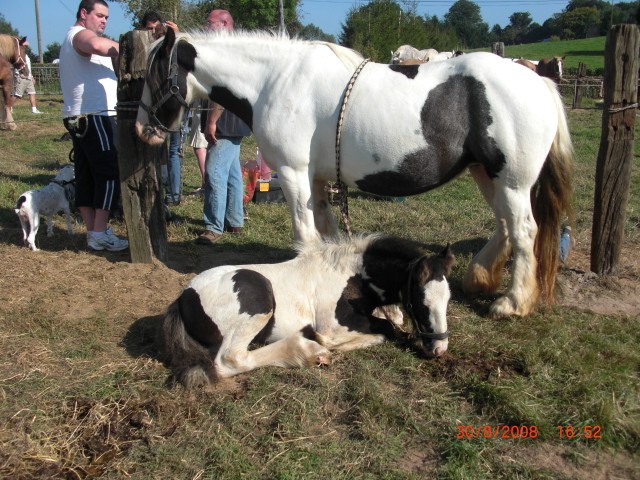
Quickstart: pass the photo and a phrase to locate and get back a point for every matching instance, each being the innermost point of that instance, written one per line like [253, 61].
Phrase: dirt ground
[79, 284]
[105, 276]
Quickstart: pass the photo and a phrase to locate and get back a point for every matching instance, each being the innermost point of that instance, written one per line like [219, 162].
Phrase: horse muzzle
[150, 134]
[435, 348]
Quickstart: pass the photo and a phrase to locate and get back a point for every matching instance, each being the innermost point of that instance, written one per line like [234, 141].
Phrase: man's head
[153, 23]
[219, 20]
[150, 21]
[93, 15]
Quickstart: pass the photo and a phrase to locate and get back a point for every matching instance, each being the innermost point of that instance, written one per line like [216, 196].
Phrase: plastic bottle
[565, 243]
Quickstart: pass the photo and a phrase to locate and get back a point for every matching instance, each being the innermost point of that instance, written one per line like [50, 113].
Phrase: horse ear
[23, 40]
[168, 42]
[448, 259]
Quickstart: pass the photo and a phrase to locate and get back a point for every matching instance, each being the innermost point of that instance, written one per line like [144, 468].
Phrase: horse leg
[297, 190]
[522, 293]
[484, 273]
[289, 352]
[7, 122]
[325, 221]
[350, 341]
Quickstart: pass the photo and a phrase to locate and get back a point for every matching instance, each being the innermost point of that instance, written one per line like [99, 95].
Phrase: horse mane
[340, 253]
[7, 48]
[350, 58]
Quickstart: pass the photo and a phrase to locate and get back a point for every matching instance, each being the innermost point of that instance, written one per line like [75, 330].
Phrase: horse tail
[551, 199]
[191, 362]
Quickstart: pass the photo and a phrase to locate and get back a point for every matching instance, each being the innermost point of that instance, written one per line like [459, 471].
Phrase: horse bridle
[174, 91]
[408, 306]
[19, 63]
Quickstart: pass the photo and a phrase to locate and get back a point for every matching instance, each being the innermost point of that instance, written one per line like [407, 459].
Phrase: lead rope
[339, 189]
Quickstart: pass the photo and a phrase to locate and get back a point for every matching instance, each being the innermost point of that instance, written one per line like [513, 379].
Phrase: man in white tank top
[89, 87]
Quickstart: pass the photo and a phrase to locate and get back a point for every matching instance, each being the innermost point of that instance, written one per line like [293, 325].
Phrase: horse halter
[174, 91]
[19, 63]
[408, 306]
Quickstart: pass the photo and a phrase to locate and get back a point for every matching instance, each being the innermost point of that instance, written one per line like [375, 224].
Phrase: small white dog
[47, 201]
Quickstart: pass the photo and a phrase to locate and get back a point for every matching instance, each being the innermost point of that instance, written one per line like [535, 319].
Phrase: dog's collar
[63, 183]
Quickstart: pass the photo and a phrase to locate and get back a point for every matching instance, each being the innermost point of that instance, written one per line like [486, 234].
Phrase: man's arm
[215, 113]
[87, 43]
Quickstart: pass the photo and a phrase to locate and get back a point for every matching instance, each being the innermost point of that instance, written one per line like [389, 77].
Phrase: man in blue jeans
[223, 187]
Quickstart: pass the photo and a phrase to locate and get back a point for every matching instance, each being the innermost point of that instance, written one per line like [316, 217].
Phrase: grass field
[589, 51]
[552, 396]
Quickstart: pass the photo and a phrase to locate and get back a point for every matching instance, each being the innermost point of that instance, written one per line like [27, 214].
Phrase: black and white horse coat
[301, 309]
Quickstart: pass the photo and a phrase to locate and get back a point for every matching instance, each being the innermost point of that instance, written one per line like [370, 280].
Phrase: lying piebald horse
[321, 300]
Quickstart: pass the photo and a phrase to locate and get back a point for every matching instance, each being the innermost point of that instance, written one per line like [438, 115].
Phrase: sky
[56, 16]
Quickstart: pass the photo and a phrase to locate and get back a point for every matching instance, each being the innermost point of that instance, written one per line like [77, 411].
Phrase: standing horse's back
[439, 118]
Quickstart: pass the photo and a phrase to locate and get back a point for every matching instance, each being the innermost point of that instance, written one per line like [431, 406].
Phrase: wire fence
[47, 79]
[48, 83]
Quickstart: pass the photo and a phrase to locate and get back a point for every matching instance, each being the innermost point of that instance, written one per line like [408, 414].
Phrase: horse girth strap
[174, 91]
[339, 187]
[408, 306]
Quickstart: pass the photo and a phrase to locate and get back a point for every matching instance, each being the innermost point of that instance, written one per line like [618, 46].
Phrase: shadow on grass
[140, 339]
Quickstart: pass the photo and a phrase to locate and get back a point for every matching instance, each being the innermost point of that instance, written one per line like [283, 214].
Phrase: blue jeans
[173, 169]
[223, 187]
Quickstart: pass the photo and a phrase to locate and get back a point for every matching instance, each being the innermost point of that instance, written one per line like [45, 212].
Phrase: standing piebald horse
[301, 309]
[13, 52]
[404, 130]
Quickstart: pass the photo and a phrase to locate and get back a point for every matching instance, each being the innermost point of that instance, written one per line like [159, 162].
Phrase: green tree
[7, 28]
[381, 26]
[378, 28]
[248, 14]
[312, 32]
[52, 52]
[578, 23]
[465, 18]
[517, 28]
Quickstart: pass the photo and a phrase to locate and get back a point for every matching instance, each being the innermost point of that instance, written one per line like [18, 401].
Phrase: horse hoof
[501, 308]
[323, 360]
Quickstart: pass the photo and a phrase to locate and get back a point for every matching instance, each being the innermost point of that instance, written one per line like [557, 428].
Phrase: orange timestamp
[512, 432]
[507, 432]
[588, 432]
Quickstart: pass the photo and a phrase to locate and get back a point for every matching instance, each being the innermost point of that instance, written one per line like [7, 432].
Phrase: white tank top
[89, 84]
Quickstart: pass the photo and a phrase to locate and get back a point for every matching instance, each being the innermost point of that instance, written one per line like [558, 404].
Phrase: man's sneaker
[106, 240]
[36, 111]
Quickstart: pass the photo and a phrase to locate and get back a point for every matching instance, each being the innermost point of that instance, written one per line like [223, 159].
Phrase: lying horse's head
[425, 299]
[166, 91]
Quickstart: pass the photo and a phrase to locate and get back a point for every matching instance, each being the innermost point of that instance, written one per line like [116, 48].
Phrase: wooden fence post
[139, 162]
[578, 89]
[498, 48]
[613, 170]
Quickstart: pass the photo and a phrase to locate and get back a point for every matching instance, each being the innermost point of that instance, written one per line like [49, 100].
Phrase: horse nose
[435, 349]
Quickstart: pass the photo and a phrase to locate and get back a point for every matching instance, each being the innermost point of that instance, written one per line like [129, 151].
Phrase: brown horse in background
[551, 68]
[13, 51]
[526, 63]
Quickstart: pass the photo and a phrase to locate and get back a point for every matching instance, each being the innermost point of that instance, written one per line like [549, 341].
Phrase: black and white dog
[48, 201]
